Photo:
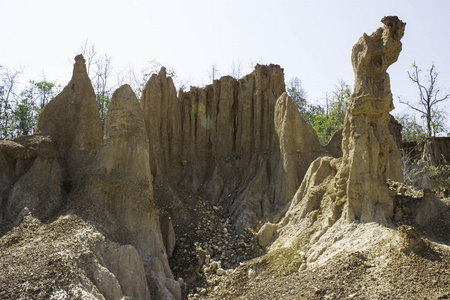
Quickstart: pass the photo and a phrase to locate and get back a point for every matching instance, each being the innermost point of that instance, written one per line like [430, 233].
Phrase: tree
[138, 79]
[327, 123]
[28, 105]
[298, 94]
[236, 69]
[411, 130]
[213, 73]
[429, 97]
[325, 120]
[8, 82]
[103, 90]
[339, 102]
[99, 69]
[25, 114]
[43, 91]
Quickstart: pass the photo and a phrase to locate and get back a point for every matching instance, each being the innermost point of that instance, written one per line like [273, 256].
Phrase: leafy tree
[25, 114]
[411, 130]
[327, 122]
[28, 105]
[311, 112]
[44, 91]
[429, 97]
[339, 103]
[298, 94]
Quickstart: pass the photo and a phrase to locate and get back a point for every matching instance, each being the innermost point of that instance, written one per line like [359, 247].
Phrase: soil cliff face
[69, 169]
[240, 143]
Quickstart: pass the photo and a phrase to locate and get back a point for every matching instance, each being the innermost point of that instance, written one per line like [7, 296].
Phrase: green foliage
[440, 174]
[411, 130]
[45, 91]
[103, 101]
[20, 108]
[438, 120]
[25, 115]
[326, 124]
[298, 95]
[325, 120]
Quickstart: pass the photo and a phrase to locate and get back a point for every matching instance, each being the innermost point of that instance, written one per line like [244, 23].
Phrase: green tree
[411, 130]
[327, 121]
[44, 91]
[29, 104]
[298, 94]
[339, 103]
[25, 114]
[429, 96]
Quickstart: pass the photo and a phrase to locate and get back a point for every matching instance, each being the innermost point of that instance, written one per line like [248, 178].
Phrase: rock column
[370, 154]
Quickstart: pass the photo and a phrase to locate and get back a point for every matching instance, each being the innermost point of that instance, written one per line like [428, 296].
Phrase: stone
[266, 234]
[411, 240]
[334, 146]
[302, 267]
[220, 271]
[123, 184]
[107, 283]
[251, 274]
[436, 150]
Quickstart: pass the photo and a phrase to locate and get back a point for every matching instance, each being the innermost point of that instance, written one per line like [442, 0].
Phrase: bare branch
[428, 98]
[410, 106]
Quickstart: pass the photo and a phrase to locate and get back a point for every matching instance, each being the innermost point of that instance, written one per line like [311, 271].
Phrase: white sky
[309, 39]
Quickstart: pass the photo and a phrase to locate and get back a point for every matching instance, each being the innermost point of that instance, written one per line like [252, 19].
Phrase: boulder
[266, 234]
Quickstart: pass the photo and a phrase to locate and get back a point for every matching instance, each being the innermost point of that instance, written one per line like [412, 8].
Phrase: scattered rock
[220, 271]
[251, 274]
[411, 240]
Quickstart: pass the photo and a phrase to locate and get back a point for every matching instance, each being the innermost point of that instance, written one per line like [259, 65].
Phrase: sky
[311, 40]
